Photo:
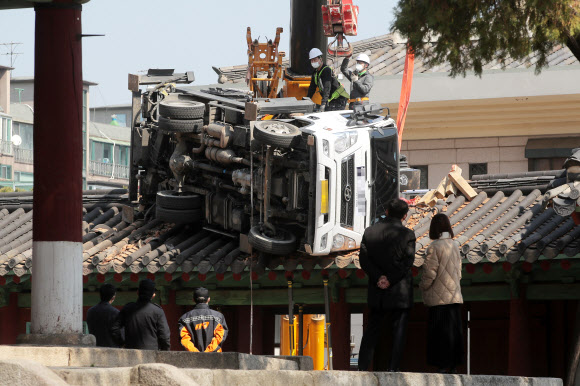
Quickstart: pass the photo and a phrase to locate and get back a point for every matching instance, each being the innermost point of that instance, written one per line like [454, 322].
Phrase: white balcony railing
[109, 170]
[5, 147]
[24, 156]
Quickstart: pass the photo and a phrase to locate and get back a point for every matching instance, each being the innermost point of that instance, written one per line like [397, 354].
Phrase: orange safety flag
[405, 93]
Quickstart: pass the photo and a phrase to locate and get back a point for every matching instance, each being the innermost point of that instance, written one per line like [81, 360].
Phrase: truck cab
[270, 173]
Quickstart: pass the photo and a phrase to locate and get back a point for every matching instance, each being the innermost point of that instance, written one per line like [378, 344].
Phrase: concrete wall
[27, 93]
[5, 90]
[103, 114]
[502, 155]
[492, 84]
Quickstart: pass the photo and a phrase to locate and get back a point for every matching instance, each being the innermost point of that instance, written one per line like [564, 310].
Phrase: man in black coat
[100, 318]
[386, 255]
[144, 322]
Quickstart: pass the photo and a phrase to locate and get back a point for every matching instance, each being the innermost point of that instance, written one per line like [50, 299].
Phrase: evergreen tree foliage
[470, 33]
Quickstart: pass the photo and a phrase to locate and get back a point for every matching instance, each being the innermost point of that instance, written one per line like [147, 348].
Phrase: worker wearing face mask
[360, 79]
[334, 96]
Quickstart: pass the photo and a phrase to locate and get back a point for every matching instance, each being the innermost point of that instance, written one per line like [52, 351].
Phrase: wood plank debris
[452, 183]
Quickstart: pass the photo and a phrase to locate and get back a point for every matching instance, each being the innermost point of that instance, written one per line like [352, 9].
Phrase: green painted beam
[354, 295]
[90, 298]
[553, 291]
[311, 295]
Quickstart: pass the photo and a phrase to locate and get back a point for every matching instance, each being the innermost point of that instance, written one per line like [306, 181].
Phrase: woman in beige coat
[442, 294]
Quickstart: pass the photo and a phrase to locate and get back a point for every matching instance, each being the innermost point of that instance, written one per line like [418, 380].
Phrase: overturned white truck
[270, 173]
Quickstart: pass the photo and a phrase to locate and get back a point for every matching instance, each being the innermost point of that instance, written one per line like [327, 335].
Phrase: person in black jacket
[100, 318]
[202, 329]
[144, 322]
[334, 95]
[386, 255]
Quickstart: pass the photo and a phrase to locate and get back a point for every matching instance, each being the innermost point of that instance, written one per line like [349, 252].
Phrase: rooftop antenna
[12, 52]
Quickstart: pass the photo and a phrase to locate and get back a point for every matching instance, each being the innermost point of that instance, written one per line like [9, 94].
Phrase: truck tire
[180, 216]
[280, 134]
[169, 199]
[282, 245]
[180, 125]
[181, 109]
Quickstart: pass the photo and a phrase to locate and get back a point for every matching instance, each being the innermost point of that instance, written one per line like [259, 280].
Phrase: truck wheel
[181, 109]
[279, 134]
[182, 216]
[169, 199]
[180, 125]
[283, 243]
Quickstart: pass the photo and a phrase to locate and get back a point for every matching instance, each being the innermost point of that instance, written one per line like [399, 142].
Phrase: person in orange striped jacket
[202, 329]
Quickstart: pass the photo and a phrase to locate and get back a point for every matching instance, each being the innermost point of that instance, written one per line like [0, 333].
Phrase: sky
[187, 35]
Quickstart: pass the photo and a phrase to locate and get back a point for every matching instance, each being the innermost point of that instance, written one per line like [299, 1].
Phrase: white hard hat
[363, 58]
[314, 53]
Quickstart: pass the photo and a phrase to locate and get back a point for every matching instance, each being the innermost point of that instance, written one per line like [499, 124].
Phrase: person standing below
[441, 288]
[361, 81]
[334, 96]
[144, 322]
[100, 318]
[202, 329]
[386, 255]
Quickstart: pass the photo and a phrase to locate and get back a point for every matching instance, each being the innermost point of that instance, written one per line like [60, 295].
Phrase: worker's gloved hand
[353, 77]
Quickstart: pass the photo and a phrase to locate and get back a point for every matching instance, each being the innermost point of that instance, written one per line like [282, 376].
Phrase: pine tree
[467, 34]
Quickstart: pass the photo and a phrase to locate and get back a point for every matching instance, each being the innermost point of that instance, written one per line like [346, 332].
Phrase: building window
[539, 164]
[424, 181]
[23, 177]
[476, 169]
[5, 172]
[5, 128]
[26, 133]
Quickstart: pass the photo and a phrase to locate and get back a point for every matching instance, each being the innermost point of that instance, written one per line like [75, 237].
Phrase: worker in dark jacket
[100, 318]
[334, 96]
[361, 81]
[386, 255]
[202, 329]
[144, 322]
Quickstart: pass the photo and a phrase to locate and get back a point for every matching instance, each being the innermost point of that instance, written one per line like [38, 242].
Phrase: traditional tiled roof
[387, 55]
[493, 227]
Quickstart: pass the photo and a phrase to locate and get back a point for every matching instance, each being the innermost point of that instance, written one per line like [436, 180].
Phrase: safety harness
[340, 90]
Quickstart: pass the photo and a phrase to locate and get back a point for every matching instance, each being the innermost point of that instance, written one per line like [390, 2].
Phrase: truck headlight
[345, 140]
[337, 241]
[340, 242]
[323, 240]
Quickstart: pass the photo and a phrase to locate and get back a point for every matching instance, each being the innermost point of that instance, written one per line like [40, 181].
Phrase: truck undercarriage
[269, 172]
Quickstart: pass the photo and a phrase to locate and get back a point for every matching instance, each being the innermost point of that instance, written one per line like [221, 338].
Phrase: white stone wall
[502, 155]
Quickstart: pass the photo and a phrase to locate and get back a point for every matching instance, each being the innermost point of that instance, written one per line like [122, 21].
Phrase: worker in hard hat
[334, 96]
[360, 79]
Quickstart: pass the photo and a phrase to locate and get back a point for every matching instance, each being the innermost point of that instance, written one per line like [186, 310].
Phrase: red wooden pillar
[520, 353]
[268, 332]
[57, 288]
[9, 320]
[173, 312]
[340, 332]
[243, 330]
[557, 358]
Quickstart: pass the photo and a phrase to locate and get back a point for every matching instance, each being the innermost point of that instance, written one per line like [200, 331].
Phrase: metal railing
[24, 156]
[109, 170]
[5, 147]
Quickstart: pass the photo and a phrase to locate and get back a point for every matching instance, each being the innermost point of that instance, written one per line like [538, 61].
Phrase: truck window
[384, 170]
